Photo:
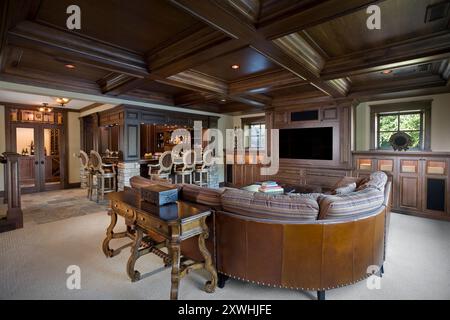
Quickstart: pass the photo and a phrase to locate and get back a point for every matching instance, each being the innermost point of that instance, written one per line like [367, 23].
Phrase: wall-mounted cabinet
[421, 182]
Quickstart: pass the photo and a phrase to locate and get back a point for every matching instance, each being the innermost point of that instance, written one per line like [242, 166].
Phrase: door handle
[42, 162]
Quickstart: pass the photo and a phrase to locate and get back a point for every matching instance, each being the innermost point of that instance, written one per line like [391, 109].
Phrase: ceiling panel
[28, 59]
[249, 62]
[137, 25]
[400, 20]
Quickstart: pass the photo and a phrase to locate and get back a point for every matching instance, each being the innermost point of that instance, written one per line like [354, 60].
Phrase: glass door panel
[25, 145]
[51, 155]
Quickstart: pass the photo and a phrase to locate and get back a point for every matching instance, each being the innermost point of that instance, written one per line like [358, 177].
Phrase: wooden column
[14, 216]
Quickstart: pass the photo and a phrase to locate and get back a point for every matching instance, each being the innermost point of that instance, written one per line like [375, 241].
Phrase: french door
[41, 164]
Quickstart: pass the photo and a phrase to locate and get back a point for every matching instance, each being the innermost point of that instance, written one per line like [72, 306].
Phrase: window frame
[423, 106]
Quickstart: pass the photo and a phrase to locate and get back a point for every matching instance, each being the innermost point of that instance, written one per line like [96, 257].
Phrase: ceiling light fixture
[235, 66]
[70, 66]
[45, 108]
[62, 101]
[387, 71]
[223, 100]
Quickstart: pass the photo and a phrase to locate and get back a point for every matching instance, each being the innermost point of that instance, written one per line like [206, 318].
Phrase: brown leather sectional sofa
[289, 251]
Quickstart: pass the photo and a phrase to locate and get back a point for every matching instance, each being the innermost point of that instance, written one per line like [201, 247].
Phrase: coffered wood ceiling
[180, 52]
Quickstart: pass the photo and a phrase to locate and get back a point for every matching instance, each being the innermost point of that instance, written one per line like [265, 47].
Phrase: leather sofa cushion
[206, 196]
[299, 206]
[351, 204]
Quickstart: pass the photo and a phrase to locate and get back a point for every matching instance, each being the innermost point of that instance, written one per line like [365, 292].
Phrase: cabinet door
[410, 185]
[410, 195]
[238, 175]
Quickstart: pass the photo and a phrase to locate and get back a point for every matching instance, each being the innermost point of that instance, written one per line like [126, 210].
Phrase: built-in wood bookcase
[421, 182]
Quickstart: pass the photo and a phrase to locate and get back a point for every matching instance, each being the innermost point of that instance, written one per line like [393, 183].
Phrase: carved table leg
[174, 249]
[210, 285]
[168, 260]
[133, 274]
[109, 235]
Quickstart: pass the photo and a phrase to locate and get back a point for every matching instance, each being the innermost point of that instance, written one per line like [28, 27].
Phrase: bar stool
[202, 169]
[163, 169]
[187, 167]
[84, 170]
[103, 172]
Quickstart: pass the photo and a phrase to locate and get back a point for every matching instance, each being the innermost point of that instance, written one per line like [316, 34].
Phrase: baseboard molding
[74, 185]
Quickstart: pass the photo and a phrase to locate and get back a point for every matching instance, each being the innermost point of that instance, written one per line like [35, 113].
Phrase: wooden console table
[172, 223]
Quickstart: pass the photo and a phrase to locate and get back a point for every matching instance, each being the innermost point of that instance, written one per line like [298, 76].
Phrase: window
[254, 132]
[257, 136]
[408, 122]
[411, 117]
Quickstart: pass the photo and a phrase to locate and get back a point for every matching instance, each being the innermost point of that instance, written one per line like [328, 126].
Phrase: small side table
[173, 223]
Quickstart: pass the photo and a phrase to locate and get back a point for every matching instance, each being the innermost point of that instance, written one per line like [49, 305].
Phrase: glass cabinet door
[26, 138]
[51, 157]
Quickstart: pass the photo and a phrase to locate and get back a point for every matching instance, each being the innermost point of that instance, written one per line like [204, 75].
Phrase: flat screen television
[306, 143]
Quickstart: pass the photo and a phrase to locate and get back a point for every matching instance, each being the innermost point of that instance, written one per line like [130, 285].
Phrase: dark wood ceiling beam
[218, 15]
[319, 13]
[77, 49]
[113, 81]
[237, 108]
[149, 96]
[398, 85]
[192, 99]
[196, 81]
[255, 100]
[269, 81]
[414, 51]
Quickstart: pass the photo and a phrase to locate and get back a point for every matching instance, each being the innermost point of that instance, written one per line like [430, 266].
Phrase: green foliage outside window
[388, 124]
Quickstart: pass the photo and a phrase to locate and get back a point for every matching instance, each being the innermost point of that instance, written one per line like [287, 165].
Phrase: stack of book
[270, 187]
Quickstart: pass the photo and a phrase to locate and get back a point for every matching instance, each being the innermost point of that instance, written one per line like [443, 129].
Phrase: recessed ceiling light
[70, 66]
[223, 100]
[387, 71]
[235, 66]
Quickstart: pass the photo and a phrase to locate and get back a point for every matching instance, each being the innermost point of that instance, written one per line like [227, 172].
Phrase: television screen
[306, 143]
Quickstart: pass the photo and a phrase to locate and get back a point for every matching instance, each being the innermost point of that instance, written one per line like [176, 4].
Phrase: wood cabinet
[421, 182]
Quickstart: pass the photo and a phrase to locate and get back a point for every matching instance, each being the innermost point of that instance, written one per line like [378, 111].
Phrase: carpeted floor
[34, 260]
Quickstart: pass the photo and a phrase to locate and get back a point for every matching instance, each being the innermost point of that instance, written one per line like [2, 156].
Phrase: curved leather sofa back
[318, 255]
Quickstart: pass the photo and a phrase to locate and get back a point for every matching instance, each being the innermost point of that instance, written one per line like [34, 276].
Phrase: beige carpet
[33, 262]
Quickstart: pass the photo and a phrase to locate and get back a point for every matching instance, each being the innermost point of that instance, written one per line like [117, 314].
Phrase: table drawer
[123, 210]
[145, 221]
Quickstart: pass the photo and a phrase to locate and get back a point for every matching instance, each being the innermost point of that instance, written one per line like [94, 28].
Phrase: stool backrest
[165, 162]
[189, 160]
[84, 159]
[96, 161]
[208, 160]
